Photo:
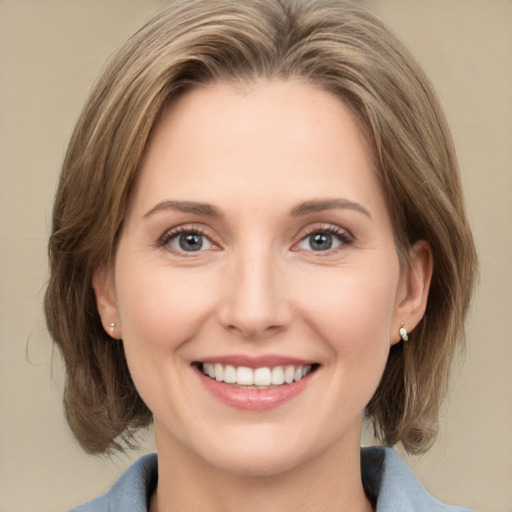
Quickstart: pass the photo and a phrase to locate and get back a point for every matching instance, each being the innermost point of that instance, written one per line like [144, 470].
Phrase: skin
[258, 286]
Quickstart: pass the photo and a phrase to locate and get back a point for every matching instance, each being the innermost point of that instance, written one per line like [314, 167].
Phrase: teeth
[244, 376]
[219, 372]
[230, 374]
[288, 374]
[264, 376]
[278, 376]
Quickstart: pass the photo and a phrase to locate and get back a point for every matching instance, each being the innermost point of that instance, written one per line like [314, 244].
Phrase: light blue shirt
[385, 475]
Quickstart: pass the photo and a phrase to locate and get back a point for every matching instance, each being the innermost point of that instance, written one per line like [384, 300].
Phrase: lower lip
[254, 399]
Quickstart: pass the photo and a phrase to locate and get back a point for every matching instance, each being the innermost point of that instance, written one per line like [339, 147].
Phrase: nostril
[253, 331]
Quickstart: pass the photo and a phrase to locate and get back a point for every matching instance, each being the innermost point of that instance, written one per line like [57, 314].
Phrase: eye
[187, 241]
[321, 240]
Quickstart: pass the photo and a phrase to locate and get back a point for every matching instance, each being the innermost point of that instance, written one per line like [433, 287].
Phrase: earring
[112, 327]
[403, 333]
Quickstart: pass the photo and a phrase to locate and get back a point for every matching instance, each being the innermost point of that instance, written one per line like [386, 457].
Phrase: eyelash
[342, 235]
[177, 232]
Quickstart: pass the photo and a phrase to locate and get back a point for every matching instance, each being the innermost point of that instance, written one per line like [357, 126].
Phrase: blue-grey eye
[321, 241]
[189, 241]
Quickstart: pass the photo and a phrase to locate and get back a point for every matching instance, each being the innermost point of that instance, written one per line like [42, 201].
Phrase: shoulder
[394, 486]
[131, 493]
[385, 475]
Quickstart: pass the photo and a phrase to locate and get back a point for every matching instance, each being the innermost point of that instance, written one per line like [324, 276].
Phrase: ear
[413, 290]
[104, 290]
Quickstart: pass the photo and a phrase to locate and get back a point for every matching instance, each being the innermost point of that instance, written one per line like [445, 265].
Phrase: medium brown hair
[339, 46]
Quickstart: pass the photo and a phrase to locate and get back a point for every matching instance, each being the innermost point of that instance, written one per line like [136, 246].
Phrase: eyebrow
[186, 207]
[305, 208]
[319, 205]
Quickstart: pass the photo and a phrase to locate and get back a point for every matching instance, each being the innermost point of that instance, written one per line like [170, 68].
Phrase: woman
[259, 204]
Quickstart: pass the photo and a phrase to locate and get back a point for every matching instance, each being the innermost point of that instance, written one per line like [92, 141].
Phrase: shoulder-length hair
[340, 47]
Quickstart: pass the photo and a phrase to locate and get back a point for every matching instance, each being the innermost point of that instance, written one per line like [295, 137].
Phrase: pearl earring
[403, 333]
[112, 327]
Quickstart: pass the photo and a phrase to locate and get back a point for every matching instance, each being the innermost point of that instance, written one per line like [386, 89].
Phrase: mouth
[262, 378]
[256, 384]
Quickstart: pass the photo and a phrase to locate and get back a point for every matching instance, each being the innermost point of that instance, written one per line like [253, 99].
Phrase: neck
[330, 481]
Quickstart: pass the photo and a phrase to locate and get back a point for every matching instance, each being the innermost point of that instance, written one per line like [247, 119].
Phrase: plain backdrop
[51, 51]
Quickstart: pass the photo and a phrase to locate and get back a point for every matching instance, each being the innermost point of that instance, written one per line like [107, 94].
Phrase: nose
[255, 301]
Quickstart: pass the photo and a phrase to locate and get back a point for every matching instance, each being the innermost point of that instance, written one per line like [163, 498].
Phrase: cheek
[357, 299]
[158, 315]
[353, 313]
[162, 308]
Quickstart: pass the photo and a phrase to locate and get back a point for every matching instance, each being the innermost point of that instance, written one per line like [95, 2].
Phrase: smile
[256, 385]
[256, 378]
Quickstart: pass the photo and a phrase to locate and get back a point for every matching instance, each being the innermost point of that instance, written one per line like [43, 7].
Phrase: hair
[339, 46]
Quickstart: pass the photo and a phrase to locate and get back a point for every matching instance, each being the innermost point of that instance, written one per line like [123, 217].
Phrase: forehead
[266, 140]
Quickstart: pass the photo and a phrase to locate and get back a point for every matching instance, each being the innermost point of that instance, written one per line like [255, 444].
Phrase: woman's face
[256, 286]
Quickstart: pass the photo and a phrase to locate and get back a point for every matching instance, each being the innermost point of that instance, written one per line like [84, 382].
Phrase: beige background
[50, 53]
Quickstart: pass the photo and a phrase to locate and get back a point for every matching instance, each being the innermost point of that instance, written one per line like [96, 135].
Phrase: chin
[257, 464]
[260, 452]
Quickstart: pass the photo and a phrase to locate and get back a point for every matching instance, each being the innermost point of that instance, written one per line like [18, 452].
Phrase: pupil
[191, 242]
[321, 241]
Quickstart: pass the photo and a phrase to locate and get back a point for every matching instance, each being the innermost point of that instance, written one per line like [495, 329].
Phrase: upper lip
[270, 360]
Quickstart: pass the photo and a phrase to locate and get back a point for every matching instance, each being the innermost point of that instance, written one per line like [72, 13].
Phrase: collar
[393, 486]
[387, 479]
